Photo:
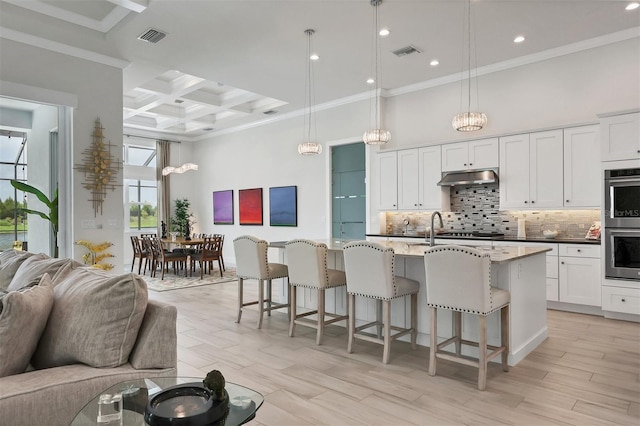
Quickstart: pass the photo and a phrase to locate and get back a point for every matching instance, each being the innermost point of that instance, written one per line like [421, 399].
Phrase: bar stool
[369, 269]
[252, 264]
[459, 279]
[307, 262]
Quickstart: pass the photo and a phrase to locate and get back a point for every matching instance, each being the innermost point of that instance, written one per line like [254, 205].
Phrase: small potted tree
[183, 218]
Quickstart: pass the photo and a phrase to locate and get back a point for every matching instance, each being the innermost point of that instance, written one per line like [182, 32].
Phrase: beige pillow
[32, 270]
[95, 319]
[10, 266]
[22, 321]
[8, 254]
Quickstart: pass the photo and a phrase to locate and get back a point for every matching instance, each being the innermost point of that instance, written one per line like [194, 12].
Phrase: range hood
[476, 177]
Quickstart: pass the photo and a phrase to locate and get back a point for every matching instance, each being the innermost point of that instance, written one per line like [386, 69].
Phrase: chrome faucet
[432, 232]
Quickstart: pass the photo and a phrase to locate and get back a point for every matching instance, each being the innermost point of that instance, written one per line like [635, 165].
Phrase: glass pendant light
[308, 147]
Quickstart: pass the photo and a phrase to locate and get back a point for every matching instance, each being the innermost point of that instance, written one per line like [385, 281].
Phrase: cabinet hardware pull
[532, 201]
[578, 250]
[465, 164]
[567, 201]
[471, 164]
[562, 263]
[623, 300]
[526, 202]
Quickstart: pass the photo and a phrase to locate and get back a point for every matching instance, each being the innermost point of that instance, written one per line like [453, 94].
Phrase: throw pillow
[95, 319]
[32, 270]
[22, 320]
[8, 254]
[10, 266]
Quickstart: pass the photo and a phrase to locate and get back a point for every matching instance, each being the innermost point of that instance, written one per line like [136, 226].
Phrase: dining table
[181, 242]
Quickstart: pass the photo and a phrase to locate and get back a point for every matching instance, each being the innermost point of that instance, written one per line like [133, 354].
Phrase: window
[141, 188]
[13, 165]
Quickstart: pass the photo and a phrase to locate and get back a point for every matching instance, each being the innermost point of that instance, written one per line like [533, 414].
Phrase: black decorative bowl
[190, 404]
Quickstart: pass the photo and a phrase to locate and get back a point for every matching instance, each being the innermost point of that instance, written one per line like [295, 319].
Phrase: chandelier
[308, 147]
[376, 135]
[469, 121]
[186, 166]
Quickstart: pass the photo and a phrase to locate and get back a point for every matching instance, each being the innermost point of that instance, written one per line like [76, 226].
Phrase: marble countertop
[536, 239]
[498, 254]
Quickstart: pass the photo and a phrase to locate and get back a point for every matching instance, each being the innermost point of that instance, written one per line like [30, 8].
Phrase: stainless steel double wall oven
[622, 223]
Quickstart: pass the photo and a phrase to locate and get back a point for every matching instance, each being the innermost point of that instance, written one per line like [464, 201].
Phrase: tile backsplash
[476, 208]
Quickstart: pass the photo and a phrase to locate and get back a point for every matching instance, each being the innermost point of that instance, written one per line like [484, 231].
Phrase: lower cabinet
[579, 279]
[621, 299]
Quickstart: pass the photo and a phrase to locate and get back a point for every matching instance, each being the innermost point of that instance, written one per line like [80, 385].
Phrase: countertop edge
[506, 238]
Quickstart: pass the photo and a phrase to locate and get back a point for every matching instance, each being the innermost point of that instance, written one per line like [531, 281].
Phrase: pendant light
[376, 135]
[469, 121]
[186, 166]
[308, 147]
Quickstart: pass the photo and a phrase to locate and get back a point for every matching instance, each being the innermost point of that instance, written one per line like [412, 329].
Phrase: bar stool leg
[292, 320]
[320, 315]
[352, 321]
[505, 314]
[414, 320]
[386, 313]
[268, 297]
[457, 329]
[379, 317]
[240, 284]
[433, 319]
[482, 352]
[261, 301]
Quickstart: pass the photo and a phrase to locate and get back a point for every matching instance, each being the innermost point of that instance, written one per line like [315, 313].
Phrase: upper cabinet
[620, 137]
[418, 177]
[480, 154]
[387, 180]
[581, 167]
[531, 168]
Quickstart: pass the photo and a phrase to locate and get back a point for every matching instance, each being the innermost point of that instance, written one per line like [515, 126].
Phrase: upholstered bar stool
[459, 279]
[369, 270]
[252, 264]
[307, 262]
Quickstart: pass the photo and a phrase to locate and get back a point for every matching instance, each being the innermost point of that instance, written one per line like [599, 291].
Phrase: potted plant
[52, 204]
[183, 218]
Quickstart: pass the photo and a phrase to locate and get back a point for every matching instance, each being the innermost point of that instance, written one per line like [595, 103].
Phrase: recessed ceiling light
[208, 129]
[314, 57]
[370, 80]
[434, 63]
[632, 6]
[518, 39]
[384, 32]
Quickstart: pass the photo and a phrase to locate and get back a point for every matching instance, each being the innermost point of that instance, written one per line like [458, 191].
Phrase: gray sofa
[67, 332]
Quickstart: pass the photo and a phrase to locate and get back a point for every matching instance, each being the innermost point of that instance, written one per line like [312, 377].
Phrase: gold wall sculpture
[100, 168]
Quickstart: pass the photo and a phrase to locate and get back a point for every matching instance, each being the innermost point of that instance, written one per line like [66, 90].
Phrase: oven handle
[621, 180]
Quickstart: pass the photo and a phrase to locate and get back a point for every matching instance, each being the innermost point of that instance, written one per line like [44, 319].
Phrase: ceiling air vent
[404, 51]
[270, 112]
[152, 36]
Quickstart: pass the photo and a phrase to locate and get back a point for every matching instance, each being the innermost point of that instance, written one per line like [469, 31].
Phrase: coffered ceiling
[236, 63]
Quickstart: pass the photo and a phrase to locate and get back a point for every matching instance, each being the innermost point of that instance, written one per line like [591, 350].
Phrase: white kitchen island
[520, 270]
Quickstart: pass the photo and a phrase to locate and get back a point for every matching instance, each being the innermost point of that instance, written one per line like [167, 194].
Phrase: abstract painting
[250, 201]
[283, 206]
[223, 207]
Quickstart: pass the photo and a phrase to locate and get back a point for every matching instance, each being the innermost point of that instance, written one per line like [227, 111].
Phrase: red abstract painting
[250, 201]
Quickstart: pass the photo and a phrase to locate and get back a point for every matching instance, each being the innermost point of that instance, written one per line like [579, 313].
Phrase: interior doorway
[348, 191]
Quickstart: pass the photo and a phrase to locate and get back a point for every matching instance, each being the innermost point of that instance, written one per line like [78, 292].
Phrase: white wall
[98, 90]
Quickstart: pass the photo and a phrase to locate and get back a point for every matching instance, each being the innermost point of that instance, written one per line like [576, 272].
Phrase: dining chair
[138, 253]
[221, 249]
[459, 280]
[252, 263]
[162, 258]
[369, 269]
[307, 263]
[205, 253]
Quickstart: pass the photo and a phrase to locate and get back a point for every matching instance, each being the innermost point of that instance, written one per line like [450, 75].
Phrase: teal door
[348, 193]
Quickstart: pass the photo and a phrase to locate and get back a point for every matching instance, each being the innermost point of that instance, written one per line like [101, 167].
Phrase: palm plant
[52, 204]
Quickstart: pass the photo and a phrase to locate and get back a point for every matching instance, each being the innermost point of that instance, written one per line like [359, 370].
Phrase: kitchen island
[519, 270]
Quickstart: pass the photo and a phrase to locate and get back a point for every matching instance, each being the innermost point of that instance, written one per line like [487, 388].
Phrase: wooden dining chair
[138, 253]
[206, 253]
[221, 248]
[162, 258]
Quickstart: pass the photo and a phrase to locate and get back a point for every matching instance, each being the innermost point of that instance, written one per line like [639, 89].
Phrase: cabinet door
[582, 167]
[432, 196]
[408, 179]
[514, 171]
[483, 154]
[455, 156]
[620, 137]
[579, 281]
[545, 173]
[387, 181]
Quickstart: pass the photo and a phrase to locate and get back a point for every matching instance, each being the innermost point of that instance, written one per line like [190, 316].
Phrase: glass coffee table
[131, 398]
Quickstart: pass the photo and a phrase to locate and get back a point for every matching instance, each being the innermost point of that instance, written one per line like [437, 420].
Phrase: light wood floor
[586, 373]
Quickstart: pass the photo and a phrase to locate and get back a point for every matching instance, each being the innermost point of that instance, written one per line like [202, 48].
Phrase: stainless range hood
[476, 177]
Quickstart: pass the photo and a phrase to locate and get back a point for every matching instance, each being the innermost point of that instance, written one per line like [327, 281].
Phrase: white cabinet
[418, 177]
[620, 137]
[581, 167]
[579, 274]
[480, 154]
[387, 180]
[621, 299]
[531, 170]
